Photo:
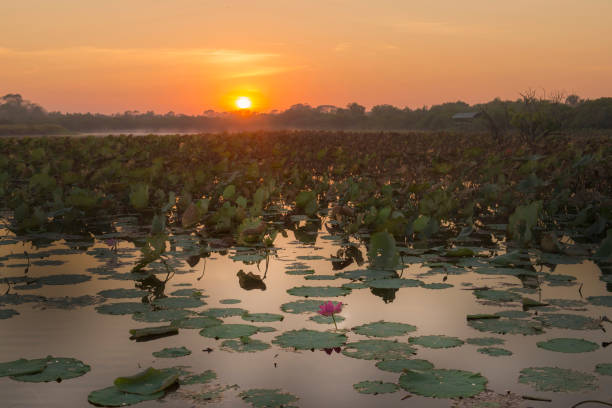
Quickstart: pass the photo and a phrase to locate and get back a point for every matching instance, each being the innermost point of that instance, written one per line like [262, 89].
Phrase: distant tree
[573, 100]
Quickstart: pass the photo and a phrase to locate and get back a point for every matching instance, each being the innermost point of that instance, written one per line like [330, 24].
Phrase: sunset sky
[188, 56]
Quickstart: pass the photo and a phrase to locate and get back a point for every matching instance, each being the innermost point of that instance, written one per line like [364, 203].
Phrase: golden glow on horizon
[243, 103]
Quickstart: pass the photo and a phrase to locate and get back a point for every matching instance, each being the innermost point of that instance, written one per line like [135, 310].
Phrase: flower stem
[334, 319]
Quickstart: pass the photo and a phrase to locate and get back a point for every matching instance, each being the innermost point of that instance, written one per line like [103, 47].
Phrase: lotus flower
[329, 309]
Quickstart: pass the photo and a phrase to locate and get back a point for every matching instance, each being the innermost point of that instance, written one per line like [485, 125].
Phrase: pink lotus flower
[329, 309]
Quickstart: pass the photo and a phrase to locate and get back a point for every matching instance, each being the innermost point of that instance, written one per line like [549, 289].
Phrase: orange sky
[192, 55]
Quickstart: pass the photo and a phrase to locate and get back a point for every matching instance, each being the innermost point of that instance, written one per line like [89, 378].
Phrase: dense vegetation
[530, 116]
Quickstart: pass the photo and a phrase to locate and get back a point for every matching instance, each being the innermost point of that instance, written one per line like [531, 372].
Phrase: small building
[466, 116]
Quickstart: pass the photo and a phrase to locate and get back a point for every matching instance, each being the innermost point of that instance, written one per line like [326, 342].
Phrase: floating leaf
[318, 291]
[148, 382]
[375, 387]
[262, 317]
[305, 339]
[378, 350]
[67, 279]
[565, 345]
[398, 366]
[441, 383]
[321, 277]
[497, 295]
[384, 329]
[172, 352]
[394, 283]
[229, 331]
[153, 316]
[22, 367]
[153, 332]
[568, 321]
[436, 285]
[302, 306]
[604, 368]
[122, 293]
[267, 398]
[202, 378]
[367, 274]
[57, 369]
[223, 312]
[178, 302]
[600, 300]
[436, 341]
[557, 379]
[7, 313]
[229, 301]
[197, 322]
[114, 397]
[460, 253]
[300, 271]
[507, 326]
[514, 314]
[188, 292]
[494, 351]
[250, 346]
[122, 308]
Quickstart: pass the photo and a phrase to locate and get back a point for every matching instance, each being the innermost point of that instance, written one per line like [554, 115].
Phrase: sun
[243, 102]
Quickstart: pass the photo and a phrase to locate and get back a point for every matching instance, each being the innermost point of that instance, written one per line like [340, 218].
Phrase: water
[318, 379]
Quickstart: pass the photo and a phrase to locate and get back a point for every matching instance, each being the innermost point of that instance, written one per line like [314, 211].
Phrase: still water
[52, 326]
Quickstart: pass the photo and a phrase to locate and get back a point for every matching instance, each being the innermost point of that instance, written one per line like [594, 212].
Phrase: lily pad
[560, 280]
[378, 350]
[442, 383]
[398, 366]
[604, 368]
[300, 271]
[57, 369]
[262, 317]
[114, 397]
[355, 285]
[375, 387]
[178, 302]
[188, 292]
[507, 326]
[302, 306]
[148, 382]
[568, 321]
[23, 367]
[321, 277]
[497, 295]
[161, 315]
[513, 314]
[485, 341]
[229, 331]
[494, 351]
[318, 291]
[229, 301]
[600, 300]
[436, 285]
[557, 379]
[67, 279]
[436, 341]
[394, 283]
[200, 322]
[566, 345]
[152, 332]
[172, 352]
[122, 308]
[223, 312]
[305, 339]
[384, 329]
[7, 313]
[267, 398]
[202, 378]
[367, 274]
[122, 293]
[242, 346]
[326, 319]
[265, 329]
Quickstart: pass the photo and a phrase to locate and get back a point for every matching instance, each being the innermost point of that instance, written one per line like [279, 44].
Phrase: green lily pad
[326, 319]
[267, 398]
[507, 326]
[559, 280]
[300, 271]
[497, 295]
[229, 331]
[565, 345]
[436, 285]
[494, 351]
[442, 383]
[460, 252]
[310, 257]
[367, 274]
[567, 303]
[375, 387]
[172, 352]
[604, 368]
[7, 313]
[398, 366]
[302, 306]
[600, 300]
[394, 283]
[305, 339]
[122, 308]
[223, 312]
[436, 341]
[557, 379]
[122, 293]
[153, 332]
[247, 257]
[114, 397]
[262, 317]
[318, 291]
[265, 329]
[485, 341]
[229, 301]
[490, 270]
[384, 329]
[23, 367]
[67, 279]
[203, 378]
[513, 314]
[188, 292]
[355, 285]
[148, 382]
[57, 369]
[321, 277]
[152, 316]
[197, 322]
[242, 346]
[178, 302]
[568, 321]
[378, 350]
